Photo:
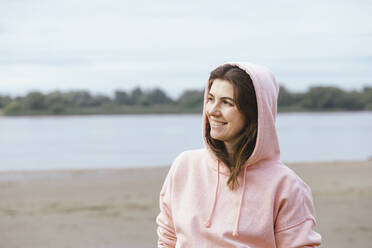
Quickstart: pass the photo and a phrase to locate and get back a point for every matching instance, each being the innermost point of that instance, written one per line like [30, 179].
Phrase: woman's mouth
[215, 123]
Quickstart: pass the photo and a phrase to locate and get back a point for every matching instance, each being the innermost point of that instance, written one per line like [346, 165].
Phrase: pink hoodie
[272, 207]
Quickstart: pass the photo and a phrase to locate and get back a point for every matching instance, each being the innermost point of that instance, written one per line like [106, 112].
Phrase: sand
[117, 208]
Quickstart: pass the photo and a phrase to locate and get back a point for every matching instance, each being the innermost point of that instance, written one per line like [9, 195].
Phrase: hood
[266, 88]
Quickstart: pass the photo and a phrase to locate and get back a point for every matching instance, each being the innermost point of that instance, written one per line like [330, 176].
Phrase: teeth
[217, 123]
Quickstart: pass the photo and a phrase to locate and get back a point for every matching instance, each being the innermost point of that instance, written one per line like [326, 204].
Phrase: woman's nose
[213, 109]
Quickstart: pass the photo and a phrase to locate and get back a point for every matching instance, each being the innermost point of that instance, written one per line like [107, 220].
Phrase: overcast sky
[120, 44]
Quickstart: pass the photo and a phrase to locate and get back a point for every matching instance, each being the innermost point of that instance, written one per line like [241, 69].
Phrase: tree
[158, 96]
[80, 98]
[350, 101]
[35, 100]
[321, 97]
[332, 98]
[138, 97]
[55, 97]
[99, 100]
[367, 98]
[122, 98]
[13, 107]
[285, 98]
[55, 102]
[191, 98]
[4, 100]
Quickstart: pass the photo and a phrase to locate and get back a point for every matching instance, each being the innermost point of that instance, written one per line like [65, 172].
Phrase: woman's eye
[227, 103]
[210, 99]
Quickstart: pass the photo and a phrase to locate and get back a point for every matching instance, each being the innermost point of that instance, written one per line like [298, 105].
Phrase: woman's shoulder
[191, 155]
[289, 182]
[189, 159]
[283, 177]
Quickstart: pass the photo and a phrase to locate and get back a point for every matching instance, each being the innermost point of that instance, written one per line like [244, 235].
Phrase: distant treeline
[82, 102]
[138, 101]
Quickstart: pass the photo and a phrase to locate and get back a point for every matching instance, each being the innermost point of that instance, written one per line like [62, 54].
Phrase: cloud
[103, 45]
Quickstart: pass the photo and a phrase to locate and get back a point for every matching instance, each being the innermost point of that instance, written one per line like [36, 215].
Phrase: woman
[236, 192]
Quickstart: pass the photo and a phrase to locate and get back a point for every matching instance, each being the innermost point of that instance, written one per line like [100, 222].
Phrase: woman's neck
[230, 147]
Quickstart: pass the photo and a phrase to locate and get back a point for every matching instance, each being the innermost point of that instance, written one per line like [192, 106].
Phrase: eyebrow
[223, 98]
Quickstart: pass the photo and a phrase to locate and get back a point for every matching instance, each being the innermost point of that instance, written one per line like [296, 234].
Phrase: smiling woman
[236, 192]
[224, 117]
[239, 108]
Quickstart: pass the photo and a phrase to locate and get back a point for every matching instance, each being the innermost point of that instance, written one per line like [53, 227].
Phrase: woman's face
[225, 120]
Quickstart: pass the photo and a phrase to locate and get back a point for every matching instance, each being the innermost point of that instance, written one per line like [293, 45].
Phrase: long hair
[245, 98]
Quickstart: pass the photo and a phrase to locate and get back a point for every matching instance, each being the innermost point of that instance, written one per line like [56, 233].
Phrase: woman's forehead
[222, 88]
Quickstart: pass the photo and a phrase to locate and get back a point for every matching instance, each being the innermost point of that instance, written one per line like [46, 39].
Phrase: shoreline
[70, 170]
[177, 112]
[117, 207]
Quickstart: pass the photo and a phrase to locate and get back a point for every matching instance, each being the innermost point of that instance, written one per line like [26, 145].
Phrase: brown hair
[245, 98]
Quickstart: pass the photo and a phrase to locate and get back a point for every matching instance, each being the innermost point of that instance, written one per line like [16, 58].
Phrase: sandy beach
[117, 208]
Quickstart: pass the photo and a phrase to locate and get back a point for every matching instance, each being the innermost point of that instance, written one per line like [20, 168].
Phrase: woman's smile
[216, 123]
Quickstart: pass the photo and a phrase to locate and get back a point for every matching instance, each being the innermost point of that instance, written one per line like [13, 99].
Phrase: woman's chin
[217, 136]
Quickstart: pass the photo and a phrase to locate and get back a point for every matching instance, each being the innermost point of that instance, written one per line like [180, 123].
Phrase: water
[77, 142]
[325, 136]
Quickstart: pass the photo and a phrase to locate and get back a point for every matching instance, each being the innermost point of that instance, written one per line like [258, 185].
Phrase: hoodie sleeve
[295, 221]
[165, 230]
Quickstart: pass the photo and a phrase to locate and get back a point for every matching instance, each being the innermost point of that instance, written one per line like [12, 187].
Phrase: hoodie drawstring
[236, 229]
[207, 224]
